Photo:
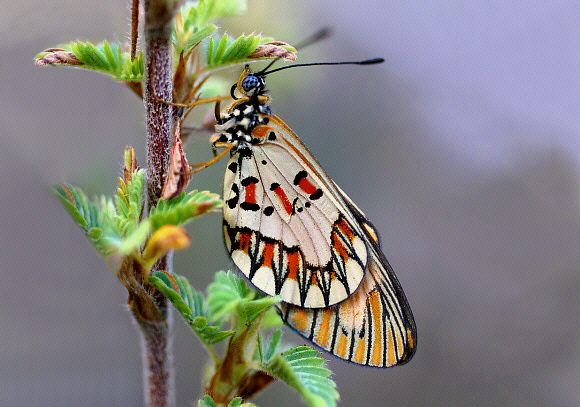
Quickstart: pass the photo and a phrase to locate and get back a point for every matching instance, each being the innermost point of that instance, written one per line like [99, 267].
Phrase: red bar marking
[251, 193]
[285, 202]
[307, 186]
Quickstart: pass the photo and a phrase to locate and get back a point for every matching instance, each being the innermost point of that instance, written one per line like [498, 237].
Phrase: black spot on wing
[248, 206]
[268, 210]
[300, 176]
[233, 201]
[233, 167]
[316, 195]
[272, 136]
[249, 180]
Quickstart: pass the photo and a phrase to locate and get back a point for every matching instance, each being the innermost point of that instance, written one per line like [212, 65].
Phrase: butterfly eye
[250, 82]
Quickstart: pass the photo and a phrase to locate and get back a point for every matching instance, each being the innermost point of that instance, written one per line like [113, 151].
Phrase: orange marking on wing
[341, 347]
[293, 259]
[307, 186]
[375, 304]
[399, 342]
[345, 229]
[339, 247]
[268, 255]
[313, 279]
[371, 232]
[410, 339]
[285, 202]
[245, 239]
[325, 327]
[300, 320]
[260, 131]
[391, 347]
[359, 353]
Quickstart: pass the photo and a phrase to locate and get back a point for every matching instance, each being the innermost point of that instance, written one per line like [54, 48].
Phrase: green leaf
[183, 208]
[271, 319]
[194, 23]
[104, 57]
[228, 51]
[302, 369]
[206, 401]
[160, 281]
[90, 216]
[234, 51]
[189, 303]
[225, 293]
[251, 310]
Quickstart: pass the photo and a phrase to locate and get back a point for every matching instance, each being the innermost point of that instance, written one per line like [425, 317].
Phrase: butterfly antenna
[363, 62]
[315, 37]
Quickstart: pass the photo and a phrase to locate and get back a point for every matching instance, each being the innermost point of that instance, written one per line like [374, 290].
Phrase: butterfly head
[249, 84]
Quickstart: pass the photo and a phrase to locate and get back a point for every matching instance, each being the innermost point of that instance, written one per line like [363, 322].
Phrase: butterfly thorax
[236, 126]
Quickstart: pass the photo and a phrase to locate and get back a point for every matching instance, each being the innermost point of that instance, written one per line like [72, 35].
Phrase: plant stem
[158, 87]
[155, 324]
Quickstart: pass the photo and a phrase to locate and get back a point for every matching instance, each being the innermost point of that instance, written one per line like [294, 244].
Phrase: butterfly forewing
[284, 229]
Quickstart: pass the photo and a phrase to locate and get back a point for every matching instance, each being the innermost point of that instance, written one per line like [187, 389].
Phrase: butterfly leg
[201, 166]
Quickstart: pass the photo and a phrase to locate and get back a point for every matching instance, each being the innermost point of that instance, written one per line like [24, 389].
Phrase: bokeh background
[463, 148]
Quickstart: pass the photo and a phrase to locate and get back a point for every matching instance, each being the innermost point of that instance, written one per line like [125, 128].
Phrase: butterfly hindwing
[374, 326]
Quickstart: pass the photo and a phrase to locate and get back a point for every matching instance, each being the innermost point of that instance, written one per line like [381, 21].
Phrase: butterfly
[294, 233]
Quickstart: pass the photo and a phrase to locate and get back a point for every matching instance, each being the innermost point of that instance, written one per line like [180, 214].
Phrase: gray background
[462, 148]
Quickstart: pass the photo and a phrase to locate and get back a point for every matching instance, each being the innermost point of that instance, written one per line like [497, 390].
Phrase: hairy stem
[158, 88]
[155, 320]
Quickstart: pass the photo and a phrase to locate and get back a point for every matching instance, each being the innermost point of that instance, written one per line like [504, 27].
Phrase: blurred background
[462, 148]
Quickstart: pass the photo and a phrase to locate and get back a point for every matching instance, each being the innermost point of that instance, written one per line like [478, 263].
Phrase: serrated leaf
[206, 401]
[90, 216]
[171, 294]
[105, 57]
[253, 309]
[228, 51]
[245, 48]
[184, 207]
[225, 293]
[65, 194]
[178, 290]
[303, 370]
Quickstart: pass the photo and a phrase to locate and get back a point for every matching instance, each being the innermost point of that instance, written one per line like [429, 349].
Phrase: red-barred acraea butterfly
[294, 233]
